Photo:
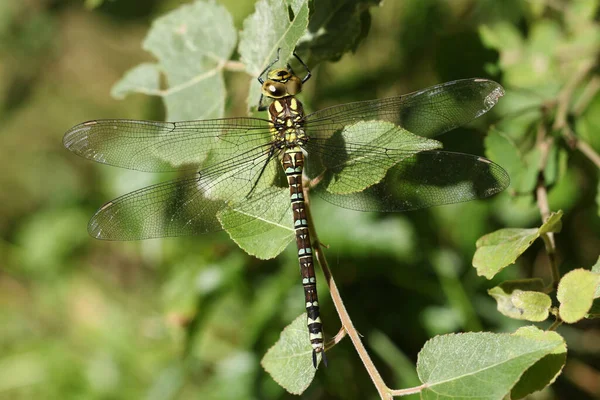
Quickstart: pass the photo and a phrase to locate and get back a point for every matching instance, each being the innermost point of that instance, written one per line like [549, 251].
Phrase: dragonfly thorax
[281, 83]
[287, 122]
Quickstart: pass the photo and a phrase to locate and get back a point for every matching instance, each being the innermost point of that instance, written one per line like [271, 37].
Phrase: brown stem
[564, 97]
[235, 66]
[544, 143]
[588, 151]
[348, 326]
[406, 392]
[337, 338]
[557, 322]
[589, 92]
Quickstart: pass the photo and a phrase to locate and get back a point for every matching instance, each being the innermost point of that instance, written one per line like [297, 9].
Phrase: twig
[406, 392]
[589, 92]
[588, 151]
[544, 143]
[562, 109]
[557, 322]
[564, 97]
[337, 338]
[235, 66]
[384, 392]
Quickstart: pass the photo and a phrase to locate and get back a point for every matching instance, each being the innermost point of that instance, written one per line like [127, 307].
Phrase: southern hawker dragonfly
[357, 155]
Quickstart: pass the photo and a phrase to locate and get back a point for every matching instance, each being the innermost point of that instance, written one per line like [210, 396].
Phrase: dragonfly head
[281, 83]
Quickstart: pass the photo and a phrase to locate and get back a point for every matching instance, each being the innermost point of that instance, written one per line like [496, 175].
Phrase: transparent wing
[189, 206]
[425, 179]
[165, 146]
[427, 113]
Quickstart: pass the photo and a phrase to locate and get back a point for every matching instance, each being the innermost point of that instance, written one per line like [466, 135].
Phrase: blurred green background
[192, 317]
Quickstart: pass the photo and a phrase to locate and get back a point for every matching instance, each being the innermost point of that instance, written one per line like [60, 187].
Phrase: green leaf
[553, 223]
[144, 79]
[576, 294]
[192, 44]
[546, 370]
[289, 361]
[520, 164]
[478, 365]
[501, 248]
[267, 229]
[598, 197]
[596, 270]
[586, 127]
[556, 165]
[91, 4]
[522, 299]
[497, 250]
[336, 27]
[502, 36]
[381, 134]
[268, 29]
[594, 311]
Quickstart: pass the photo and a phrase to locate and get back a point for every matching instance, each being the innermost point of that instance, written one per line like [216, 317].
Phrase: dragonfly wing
[164, 146]
[421, 180]
[188, 206]
[427, 113]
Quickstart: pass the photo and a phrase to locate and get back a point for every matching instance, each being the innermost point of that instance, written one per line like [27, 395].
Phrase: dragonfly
[244, 163]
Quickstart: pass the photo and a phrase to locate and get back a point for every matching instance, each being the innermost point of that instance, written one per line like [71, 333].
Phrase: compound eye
[276, 89]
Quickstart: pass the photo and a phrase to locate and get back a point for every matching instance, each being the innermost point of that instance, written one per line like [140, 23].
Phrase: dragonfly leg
[308, 74]
[269, 157]
[261, 106]
[260, 77]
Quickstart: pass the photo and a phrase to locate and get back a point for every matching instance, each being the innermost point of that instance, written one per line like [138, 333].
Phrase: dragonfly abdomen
[293, 163]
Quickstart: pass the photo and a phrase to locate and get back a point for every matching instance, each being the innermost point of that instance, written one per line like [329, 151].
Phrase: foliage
[192, 317]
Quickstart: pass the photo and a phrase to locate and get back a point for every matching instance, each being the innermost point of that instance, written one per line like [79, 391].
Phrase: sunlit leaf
[271, 27]
[594, 311]
[499, 249]
[546, 370]
[522, 299]
[576, 294]
[289, 361]
[268, 227]
[501, 36]
[381, 134]
[144, 78]
[192, 44]
[478, 365]
[596, 270]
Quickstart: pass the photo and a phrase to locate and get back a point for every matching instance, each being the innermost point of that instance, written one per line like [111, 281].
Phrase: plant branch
[544, 143]
[384, 392]
[562, 108]
[589, 92]
[566, 94]
[406, 392]
[337, 338]
[235, 66]
[557, 322]
[588, 151]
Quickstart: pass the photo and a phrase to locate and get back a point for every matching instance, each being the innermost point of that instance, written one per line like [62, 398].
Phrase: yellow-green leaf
[289, 361]
[497, 250]
[545, 371]
[576, 294]
[522, 299]
[262, 227]
[479, 365]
